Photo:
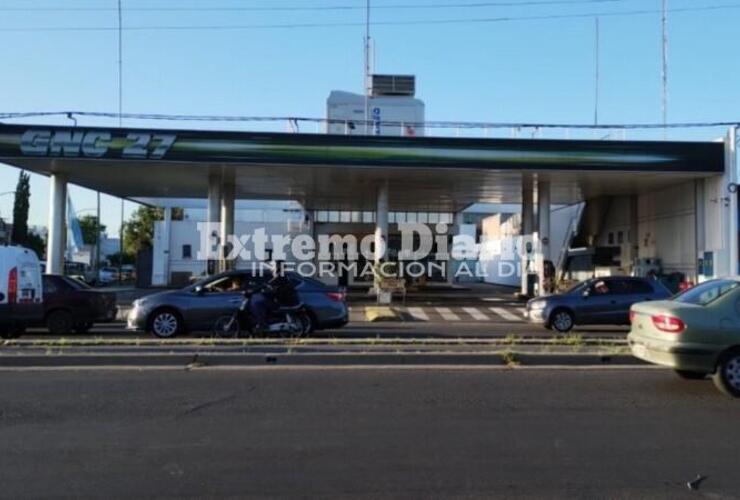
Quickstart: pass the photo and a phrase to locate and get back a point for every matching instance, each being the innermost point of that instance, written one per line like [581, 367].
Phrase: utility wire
[482, 20]
[427, 124]
[449, 5]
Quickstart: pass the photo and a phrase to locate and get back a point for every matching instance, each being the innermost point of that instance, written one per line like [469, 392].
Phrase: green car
[696, 333]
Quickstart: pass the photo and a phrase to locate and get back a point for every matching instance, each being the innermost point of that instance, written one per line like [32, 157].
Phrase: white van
[21, 293]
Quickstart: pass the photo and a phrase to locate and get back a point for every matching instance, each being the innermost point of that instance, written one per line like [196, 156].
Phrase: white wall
[346, 106]
[186, 233]
[667, 227]
[499, 260]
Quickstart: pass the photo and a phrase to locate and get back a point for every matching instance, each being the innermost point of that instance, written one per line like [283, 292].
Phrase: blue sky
[515, 71]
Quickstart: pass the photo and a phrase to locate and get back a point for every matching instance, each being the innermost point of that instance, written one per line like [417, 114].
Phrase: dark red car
[71, 305]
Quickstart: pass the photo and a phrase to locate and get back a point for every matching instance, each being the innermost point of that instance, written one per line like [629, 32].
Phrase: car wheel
[690, 375]
[562, 320]
[165, 324]
[59, 322]
[83, 328]
[727, 375]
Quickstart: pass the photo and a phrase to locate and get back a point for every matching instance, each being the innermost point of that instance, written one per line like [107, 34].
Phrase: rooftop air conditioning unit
[392, 85]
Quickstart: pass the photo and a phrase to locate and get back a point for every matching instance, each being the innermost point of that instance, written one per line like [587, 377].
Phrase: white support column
[543, 231]
[227, 220]
[166, 243]
[732, 179]
[57, 213]
[699, 225]
[214, 198]
[381, 223]
[634, 232]
[527, 227]
[213, 217]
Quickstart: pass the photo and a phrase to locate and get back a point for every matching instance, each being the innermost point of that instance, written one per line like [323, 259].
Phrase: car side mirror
[586, 294]
[199, 290]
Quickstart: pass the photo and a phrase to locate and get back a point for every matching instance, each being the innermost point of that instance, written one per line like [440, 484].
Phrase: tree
[88, 226]
[20, 210]
[36, 243]
[138, 232]
[118, 259]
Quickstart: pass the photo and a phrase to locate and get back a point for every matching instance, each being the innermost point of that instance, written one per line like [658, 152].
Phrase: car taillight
[336, 296]
[632, 316]
[669, 324]
[13, 286]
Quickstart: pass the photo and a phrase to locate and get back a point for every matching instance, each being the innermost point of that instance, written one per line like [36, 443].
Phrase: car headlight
[537, 306]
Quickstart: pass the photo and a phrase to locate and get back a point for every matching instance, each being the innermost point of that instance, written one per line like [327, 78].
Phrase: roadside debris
[696, 483]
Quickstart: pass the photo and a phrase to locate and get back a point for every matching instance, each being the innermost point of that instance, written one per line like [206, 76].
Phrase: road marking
[418, 313]
[475, 313]
[522, 310]
[505, 314]
[447, 314]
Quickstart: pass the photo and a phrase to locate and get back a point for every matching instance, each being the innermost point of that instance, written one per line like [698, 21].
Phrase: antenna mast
[596, 71]
[366, 82]
[120, 63]
[664, 71]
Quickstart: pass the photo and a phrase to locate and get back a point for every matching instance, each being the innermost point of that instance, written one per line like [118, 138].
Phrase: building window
[620, 237]
[187, 252]
[445, 218]
[611, 238]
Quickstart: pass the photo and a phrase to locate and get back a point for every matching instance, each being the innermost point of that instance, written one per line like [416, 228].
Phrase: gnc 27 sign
[74, 143]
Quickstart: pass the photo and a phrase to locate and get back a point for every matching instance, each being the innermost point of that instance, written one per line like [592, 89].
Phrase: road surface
[365, 433]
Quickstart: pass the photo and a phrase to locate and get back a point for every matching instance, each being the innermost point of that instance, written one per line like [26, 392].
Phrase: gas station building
[672, 201]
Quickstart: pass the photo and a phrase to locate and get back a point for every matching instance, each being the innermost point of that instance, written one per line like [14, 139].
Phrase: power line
[427, 124]
[483, 20]
[284, 8]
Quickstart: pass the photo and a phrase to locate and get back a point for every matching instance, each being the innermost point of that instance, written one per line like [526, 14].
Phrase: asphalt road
[365, 433]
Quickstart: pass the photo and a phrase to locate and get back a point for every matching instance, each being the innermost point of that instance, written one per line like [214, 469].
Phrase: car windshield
[707, 292]
[579, 287]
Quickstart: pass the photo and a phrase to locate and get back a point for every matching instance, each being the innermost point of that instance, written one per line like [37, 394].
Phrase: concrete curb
[195, 359]
[205, 342]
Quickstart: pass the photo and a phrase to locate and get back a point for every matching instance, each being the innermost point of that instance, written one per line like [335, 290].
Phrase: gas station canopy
[342, 172]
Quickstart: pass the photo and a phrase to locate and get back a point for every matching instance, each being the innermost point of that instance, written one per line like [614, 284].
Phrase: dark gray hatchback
[197, 307]
[598, 301]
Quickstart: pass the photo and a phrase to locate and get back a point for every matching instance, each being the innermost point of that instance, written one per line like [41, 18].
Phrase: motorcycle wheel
[297, 327]
[226, 327]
